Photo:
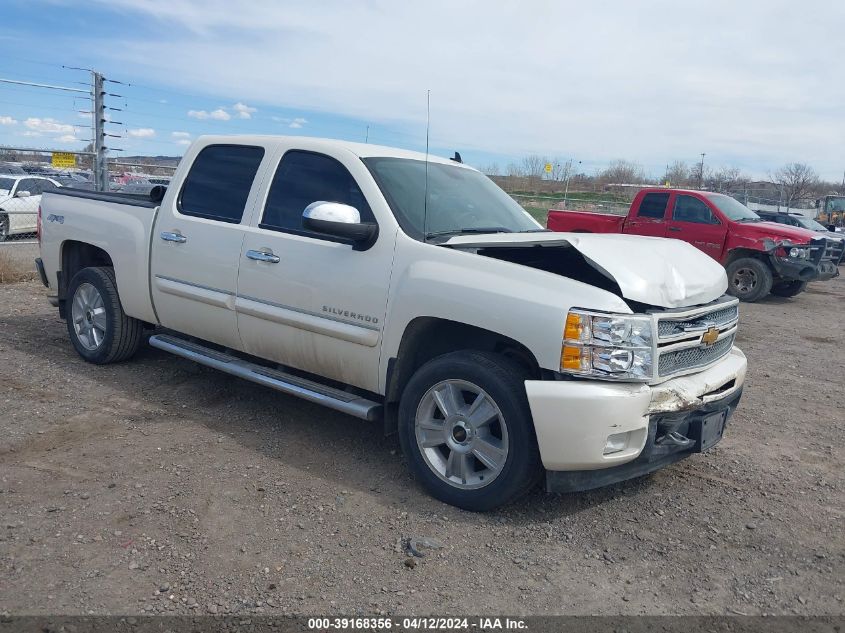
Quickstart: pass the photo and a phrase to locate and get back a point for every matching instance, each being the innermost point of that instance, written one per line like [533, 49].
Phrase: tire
[749, 279]
[4, 227]
[98, 327]
[789, 288]
[438, 437]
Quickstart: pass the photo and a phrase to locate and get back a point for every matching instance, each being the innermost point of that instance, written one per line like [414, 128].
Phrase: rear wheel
[4, 227]
[467, 432]
[99, 329]
[789, 288]
[749, 279]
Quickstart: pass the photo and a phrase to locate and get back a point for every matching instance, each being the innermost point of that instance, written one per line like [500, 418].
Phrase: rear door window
[653, 205]
[218, 185]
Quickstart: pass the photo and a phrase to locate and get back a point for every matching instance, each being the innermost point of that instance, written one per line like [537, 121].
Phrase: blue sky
[753, 84]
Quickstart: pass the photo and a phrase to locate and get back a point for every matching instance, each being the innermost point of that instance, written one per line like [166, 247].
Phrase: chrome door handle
[261, 256]
[168, 236]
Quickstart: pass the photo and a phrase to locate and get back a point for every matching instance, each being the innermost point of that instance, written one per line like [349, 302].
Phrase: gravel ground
[156, 486]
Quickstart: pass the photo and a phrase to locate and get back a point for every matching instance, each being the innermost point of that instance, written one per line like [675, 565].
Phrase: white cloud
[7, 120]
[298, 122]
[48, 126]
[244, 111]
[219, 114]
[142, 132]
[66, 138]
[180, 134]
[183, 141]
[649, 81]
[30, 133]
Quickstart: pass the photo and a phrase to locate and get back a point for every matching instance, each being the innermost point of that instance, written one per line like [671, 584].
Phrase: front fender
[521, 303]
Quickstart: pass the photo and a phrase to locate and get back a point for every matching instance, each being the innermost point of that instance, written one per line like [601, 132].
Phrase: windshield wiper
[750, 220]
[469, 229]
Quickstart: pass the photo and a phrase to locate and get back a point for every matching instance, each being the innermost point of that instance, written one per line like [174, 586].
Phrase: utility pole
[97, 94]
[101, 168]
[701, 173]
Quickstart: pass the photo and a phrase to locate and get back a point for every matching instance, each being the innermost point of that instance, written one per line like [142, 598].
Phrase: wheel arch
[76, 255]
[426, 338]
[739, 253]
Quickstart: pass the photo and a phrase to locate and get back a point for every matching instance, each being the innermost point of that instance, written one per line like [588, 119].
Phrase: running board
[275, 379]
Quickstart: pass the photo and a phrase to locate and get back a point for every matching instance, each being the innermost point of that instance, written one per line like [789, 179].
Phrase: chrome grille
[679, 360]
[833, 250]
[672, 327]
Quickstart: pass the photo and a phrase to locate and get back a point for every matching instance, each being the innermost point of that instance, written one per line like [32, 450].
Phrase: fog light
[616, 443]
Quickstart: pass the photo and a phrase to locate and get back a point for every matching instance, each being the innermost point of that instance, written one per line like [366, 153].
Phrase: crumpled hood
[656, 271]
[776, 232]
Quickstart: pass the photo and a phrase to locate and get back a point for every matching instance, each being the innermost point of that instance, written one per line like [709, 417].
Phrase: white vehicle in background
[395, 286]
[19, 200]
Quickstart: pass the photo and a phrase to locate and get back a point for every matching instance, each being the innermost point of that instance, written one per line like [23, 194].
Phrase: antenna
[427, 126]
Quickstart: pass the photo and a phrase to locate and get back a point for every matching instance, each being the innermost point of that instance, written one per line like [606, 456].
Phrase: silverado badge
[709, 337]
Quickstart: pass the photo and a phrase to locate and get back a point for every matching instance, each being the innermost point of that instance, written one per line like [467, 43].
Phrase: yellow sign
[63, 160]
[548, 168]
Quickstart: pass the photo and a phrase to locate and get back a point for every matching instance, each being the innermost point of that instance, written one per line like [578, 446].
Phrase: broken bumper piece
[600, 432]
[671, 438]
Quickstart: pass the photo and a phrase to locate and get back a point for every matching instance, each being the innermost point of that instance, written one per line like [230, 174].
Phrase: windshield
[6, 184]
[460, 200]
[733, 208]
[810, 223]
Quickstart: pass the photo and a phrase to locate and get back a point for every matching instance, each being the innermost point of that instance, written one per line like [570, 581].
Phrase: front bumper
[573, 419]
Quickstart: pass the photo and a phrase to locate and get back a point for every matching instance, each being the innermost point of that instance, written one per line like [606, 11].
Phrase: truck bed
[566, 221]
[119, 224]
[134, 199]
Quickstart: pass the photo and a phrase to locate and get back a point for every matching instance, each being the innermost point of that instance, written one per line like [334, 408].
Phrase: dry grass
[13, 271]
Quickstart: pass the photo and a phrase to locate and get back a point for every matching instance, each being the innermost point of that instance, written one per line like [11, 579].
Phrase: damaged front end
[802, 262]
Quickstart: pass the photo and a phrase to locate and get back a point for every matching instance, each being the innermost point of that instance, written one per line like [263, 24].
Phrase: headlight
[611, 346]
[798, 253]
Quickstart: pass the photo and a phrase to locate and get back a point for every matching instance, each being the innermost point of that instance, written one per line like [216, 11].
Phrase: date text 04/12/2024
[416, 623]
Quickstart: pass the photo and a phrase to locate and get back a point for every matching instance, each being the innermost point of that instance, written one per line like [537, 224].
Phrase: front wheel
[749, 279]
[99, 329]
[4, 227]
[789, 288]
[467, 432]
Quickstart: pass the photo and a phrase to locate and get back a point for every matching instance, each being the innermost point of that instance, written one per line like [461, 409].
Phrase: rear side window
[306, 177]
[689, 209]
[653, 205]
[217, 187]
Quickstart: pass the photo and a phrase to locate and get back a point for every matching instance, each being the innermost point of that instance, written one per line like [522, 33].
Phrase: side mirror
[831, 228]
[21, 194]
[339, 220]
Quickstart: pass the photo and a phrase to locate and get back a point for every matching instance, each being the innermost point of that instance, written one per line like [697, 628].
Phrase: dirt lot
[156, 486]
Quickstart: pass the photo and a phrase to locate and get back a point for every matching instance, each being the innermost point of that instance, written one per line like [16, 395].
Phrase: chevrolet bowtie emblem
[709, 337]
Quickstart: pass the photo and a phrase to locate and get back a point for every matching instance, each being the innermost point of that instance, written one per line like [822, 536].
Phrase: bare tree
[678, 174]
[727, 179]
[798, 181]
[533, 166]
[515, 170]
[622, 172]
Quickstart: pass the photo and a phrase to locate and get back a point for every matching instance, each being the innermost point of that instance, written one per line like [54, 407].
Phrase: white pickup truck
[394, 286]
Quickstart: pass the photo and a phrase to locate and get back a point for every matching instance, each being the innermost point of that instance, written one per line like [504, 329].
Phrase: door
[23, 212]
[694, 222]
[196, 243]
[650, 217]
[308, 300]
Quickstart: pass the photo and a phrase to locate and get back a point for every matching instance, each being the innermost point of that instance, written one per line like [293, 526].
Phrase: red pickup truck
[760, 257]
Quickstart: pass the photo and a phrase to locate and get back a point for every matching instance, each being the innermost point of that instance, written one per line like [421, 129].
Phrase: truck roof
[362, 150]
[676, 190]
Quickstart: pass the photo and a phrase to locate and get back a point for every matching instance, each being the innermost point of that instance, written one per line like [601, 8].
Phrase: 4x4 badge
[709, 337]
